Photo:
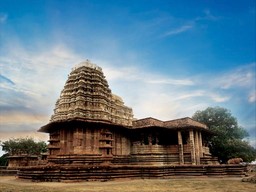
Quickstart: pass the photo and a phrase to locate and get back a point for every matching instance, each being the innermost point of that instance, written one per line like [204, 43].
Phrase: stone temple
[94, 136]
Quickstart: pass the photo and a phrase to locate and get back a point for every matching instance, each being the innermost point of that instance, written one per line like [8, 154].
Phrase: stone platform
[105, 172]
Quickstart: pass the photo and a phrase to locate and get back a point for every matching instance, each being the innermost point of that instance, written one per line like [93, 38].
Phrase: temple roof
[171, 124]
[87, 97]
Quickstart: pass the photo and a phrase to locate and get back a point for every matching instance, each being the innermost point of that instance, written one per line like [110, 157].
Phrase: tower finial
[87, 63]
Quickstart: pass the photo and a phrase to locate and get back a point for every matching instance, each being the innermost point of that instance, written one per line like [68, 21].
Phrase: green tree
[3, 160]
[26, 146]
[227, 141]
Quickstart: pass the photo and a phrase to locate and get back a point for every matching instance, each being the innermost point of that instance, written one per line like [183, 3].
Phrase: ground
[12, 184]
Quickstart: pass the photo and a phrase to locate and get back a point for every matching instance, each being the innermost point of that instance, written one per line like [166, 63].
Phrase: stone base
[108, 172]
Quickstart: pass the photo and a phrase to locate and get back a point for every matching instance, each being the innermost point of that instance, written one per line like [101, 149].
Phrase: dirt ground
[12, 184]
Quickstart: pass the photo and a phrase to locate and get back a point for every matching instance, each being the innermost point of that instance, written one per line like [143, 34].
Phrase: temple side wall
[99, 142]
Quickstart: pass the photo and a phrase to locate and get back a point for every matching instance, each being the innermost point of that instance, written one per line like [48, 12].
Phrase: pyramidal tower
[84, 116]
[87, 97]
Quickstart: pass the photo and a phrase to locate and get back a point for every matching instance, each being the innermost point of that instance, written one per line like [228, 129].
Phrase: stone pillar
[200, 144]
[197, 148]
[180, 143]
[62, 141]
[192, 147]
[150, 139]
[84, 140]
[87, 141]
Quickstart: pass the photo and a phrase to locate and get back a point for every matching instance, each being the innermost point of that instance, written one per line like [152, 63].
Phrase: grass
[11, 184]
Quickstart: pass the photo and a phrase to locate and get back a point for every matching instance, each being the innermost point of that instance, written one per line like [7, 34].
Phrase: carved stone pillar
[180, 143]
[62, 142]
[87, 141]
[197, 148]
[192, 147]
[150, 139]
[200, 144]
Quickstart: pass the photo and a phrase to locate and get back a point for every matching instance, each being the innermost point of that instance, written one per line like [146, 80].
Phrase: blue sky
[166, 59]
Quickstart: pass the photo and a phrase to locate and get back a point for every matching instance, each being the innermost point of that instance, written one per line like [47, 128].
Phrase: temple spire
[87, 63]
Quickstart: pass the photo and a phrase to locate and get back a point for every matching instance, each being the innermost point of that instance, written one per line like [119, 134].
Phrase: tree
[227, 141]
[20, 146]
[3, 160]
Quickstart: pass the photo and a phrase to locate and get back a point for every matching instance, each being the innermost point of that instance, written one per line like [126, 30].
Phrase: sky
[167, 59]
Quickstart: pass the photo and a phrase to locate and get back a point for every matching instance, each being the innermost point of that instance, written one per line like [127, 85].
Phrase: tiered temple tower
[83, 117]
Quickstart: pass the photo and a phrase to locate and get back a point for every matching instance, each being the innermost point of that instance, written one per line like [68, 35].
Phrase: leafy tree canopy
[20, 146]
[227, 141]
[3, 160]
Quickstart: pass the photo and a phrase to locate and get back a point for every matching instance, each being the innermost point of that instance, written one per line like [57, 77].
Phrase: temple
[93, 135]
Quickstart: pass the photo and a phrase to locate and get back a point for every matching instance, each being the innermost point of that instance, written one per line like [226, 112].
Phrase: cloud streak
[240, 77]
[171, 81]
[176, 31]
[188, 25]
[252, 97]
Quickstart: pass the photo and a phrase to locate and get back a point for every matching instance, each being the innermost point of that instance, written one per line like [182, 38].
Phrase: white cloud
[192, 94]
[252, 97]
[132, 73]
[240, 77]
[126, 73]
[219, 98]
[189, 24]
[171, 81]
[178, 30]
[19, 118]
[151, 94]
[234, 85]
[38, 77]
[28, 68]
